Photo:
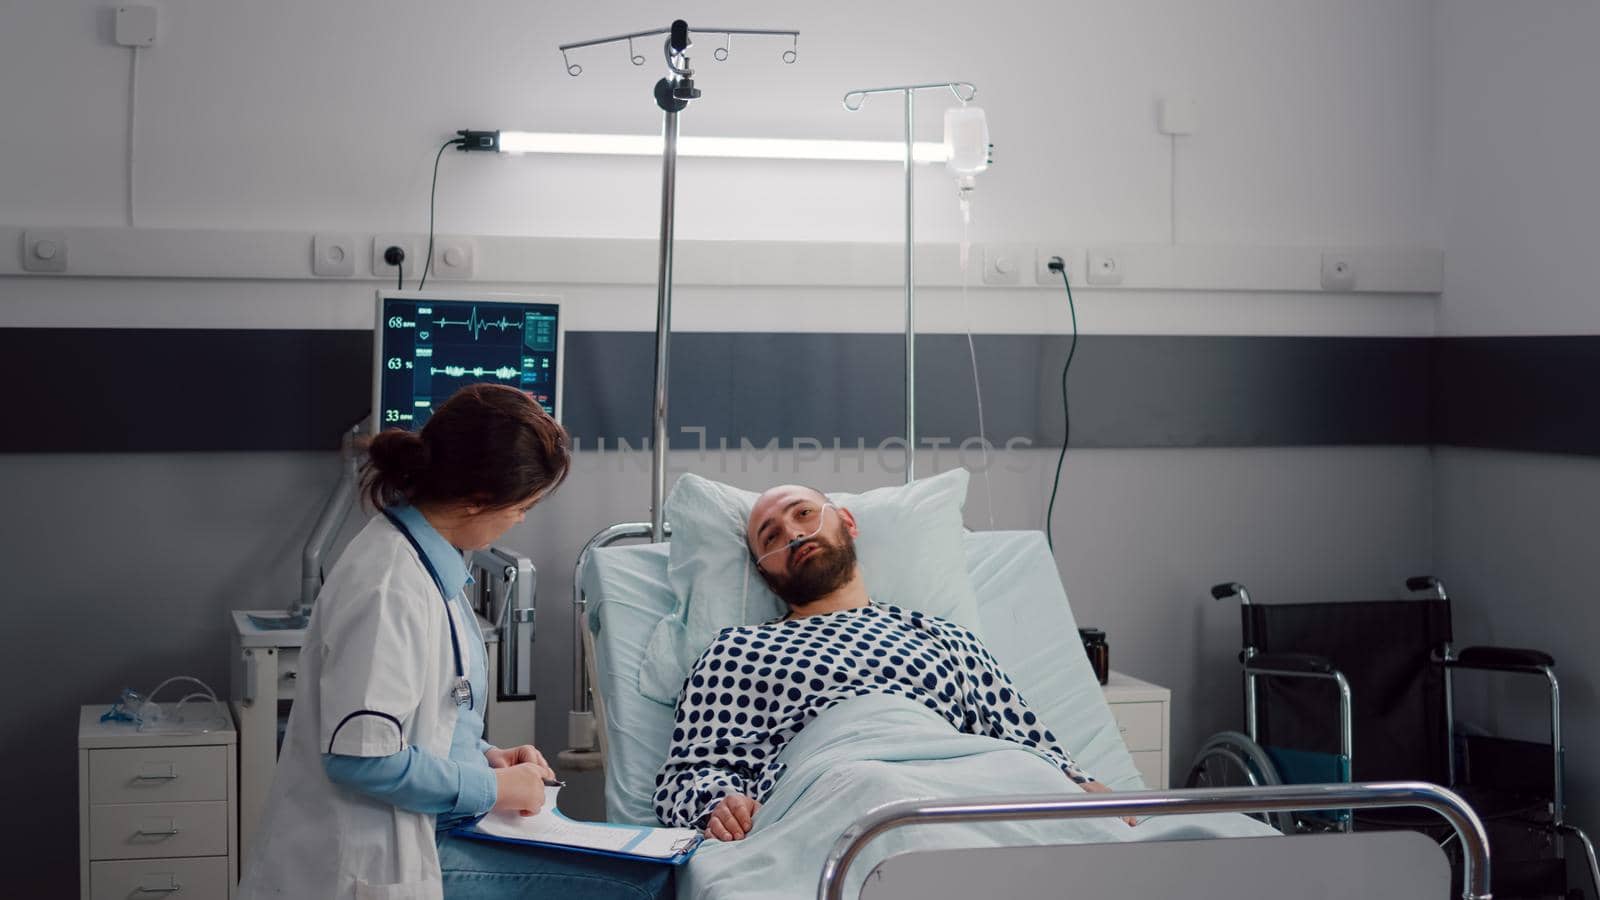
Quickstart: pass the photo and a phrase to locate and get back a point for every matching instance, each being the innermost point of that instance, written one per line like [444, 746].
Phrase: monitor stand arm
[329, 523]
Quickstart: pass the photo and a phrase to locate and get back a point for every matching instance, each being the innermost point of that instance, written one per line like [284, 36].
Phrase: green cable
[1066, 415]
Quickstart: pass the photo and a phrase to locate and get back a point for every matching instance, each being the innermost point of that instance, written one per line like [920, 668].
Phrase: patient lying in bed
[756, 687]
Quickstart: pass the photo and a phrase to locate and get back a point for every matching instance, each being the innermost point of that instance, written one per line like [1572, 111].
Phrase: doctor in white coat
[384, 753]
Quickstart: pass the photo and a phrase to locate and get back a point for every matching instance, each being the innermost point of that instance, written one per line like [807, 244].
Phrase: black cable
[400, 276]
[433, 191]
[1066, 414]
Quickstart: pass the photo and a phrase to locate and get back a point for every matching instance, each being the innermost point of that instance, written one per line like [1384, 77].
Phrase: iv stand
[672, 94]
[853, 101]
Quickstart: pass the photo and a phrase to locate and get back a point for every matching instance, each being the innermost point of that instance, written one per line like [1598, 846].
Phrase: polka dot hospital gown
[756, 686]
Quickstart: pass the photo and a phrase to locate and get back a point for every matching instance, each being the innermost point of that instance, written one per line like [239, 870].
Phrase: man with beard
[757, 686]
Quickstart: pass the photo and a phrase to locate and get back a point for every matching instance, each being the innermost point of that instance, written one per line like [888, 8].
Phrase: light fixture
[572, 144]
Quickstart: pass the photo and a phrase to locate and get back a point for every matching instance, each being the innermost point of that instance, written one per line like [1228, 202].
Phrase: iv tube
[972, 351]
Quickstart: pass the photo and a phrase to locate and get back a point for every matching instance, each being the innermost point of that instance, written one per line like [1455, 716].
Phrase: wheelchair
[1363, 691]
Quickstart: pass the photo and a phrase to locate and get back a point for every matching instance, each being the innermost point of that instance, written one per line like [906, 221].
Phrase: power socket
[1071, 256]
[1105, 267]
[1338, 272]
[411, 244]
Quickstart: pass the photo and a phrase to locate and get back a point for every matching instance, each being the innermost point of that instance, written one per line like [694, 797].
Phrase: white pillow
[909, 550]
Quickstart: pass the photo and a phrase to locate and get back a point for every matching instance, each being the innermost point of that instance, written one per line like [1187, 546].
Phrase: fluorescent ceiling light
[726, 147]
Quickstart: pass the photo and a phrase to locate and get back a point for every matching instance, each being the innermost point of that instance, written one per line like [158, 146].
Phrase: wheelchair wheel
[1231, 759]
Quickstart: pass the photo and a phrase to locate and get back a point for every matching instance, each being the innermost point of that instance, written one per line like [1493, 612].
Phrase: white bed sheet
[1027, 623]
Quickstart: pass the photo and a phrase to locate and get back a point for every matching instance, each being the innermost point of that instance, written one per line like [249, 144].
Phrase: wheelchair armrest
[1292, 663]
[1225, 590]
[1504, 659]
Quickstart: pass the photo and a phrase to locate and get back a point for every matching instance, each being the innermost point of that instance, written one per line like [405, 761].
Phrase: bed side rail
[1474, 840]
[582, 733]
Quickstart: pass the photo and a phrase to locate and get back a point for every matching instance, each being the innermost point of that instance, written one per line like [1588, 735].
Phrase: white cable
[972, 353]
[133, 118]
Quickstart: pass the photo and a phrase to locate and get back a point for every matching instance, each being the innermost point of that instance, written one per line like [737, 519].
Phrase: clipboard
[550, 828]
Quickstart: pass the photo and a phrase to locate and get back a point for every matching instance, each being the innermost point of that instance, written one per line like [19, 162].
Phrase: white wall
[1520, 204]
[1519, 196]
[1315, 129]
[1313, 125]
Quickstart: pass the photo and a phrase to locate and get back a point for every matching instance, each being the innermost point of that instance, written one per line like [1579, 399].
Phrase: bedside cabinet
[157, 813]
[1143, 714]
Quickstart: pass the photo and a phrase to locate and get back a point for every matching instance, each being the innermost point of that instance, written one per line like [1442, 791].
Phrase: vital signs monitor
[428, 345]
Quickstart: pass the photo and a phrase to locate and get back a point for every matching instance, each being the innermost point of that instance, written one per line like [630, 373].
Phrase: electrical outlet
[453, 257]
[1338, 272]
[1003, 263]
[412, 246]
[1041, 264]
[136, 25]
[44, 251]
[1105, 267]
[1176, 116]
[333, 255]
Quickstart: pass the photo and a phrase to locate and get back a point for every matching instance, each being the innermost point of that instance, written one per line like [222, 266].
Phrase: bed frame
[588, 723]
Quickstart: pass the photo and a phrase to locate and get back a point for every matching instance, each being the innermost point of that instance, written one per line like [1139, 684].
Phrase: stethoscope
[462, 692]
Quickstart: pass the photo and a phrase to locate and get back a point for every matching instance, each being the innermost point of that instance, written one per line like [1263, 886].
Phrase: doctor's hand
[1096, 787]
[519, 788]
[732, 818]
[527, 753]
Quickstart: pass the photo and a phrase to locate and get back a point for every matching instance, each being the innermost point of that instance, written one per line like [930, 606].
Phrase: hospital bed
[621, 591]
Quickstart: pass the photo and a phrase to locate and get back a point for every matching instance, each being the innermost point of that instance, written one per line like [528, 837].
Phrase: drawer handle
[171, 887]
[158, 828]
[157, 772]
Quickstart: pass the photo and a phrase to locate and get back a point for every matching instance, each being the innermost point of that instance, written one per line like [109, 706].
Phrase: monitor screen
[429, 345]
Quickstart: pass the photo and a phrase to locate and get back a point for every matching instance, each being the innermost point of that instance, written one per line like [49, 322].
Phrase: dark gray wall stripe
[1537, 394]
[119, 390]
[1126, 391]
[154, 389]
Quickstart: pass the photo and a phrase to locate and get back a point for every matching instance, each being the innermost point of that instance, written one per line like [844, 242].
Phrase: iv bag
[966, 137]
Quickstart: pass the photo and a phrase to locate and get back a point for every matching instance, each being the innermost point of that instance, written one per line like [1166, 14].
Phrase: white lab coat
[375, 676]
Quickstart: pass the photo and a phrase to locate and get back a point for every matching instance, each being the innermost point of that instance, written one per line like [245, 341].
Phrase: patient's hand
[1095, 787]
[732, 818]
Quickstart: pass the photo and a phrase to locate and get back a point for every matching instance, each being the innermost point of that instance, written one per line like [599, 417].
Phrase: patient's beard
[826, 570]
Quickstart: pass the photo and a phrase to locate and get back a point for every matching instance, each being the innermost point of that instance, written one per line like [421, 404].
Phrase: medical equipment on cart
[178, 718]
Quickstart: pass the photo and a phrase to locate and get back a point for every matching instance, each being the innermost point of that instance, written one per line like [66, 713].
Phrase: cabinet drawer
[1140, 724]
[182, 879]
[1152, 766]
[158, 774]
[149, 830]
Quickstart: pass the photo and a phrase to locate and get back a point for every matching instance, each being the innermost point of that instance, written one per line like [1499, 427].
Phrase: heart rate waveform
[475, 325]
[504, 373]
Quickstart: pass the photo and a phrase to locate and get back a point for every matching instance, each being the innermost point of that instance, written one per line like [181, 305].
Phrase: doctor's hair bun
[489, 446]
[397, 454]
